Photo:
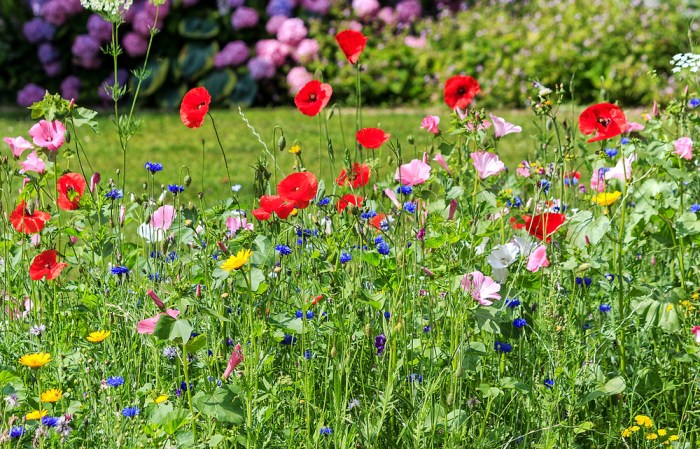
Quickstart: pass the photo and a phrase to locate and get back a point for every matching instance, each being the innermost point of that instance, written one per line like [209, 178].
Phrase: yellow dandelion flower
[695, 296]
[626, 433]
[643, 420]
[606, 198]
[161, 398]
[36, 414]
[673, 438]
[35, 361]
[669, 307]
[52, 395]
[652, 436]
[634, 428]
[662, 432]
[98, 336]
[237, 261]
[296, 149]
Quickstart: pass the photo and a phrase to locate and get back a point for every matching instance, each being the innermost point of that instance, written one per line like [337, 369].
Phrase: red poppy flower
[544, 225]
[376, 221]
[518, 225]
[70, 189]
[313, 97]
[372, 138]
[300, 188]
[460, 90]
[45, 265]
[28, 222]
[194, 107]
[261, 214]
[277, 204]
[352, 43]
[604, 119]
[347, 200]
[359, 176]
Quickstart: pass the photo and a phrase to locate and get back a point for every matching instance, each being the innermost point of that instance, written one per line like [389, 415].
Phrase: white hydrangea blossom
[110, 8]
[686, 62]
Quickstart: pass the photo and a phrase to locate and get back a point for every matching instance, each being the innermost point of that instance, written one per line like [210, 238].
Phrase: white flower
[112, 9]
[525, 245]
[503, 256]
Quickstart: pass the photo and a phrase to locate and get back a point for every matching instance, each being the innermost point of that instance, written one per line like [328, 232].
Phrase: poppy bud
[66, 136]
[282, 143]
[200, 195]
[161, 198]
[94, 180]
[411, 140]
[188, 180]
[145, 186]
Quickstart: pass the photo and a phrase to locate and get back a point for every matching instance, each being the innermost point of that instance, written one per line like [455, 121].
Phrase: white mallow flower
[503, 256]
[525, 245]
[499, 275]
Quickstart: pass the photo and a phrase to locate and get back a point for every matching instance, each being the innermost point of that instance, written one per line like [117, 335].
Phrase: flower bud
[282, 143]
[188, 180]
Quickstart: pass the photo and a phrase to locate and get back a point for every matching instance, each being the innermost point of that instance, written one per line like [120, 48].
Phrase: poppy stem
[223, 153]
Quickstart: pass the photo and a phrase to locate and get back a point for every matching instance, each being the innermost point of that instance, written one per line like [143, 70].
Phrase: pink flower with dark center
[481, 288]
[18, 145]
[49, 135]
[487, 164]
[537, 259]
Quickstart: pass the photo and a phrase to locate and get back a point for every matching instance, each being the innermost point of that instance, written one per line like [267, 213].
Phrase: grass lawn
[165, 139]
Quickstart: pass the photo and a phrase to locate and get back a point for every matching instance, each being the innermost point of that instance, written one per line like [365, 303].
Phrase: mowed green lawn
[163, 138]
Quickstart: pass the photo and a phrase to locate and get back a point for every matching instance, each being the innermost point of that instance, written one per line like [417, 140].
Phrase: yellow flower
[98, 336]
[643, 420]
[296, 149]
[652, 436]
[35, 361]
[237, 261]
[634, 428]
[161, 398]
[695, 296]
[606, 198]
[626, 433]
[673, 438]
[669, 307]
[52, 395]
[294, 212]
[36, 414]
[661, 432]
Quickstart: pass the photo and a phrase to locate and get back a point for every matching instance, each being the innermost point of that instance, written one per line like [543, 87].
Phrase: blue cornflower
[519, 323]
[516, 201]
[512, 303]
[175, 189]
[611, 152]
[605, 308]
[427, 328]
[625, 140]
[155, 277]
[387, 315]
[288, 340]
[406, 190]
[324, 201]
[694, 102]
[115, 381]
[119, 270]
[384, 225]
[549, 383]
[369, 214]
[308, 354]
[17, 432]
[695, 208]
[131, 412]
[378, 240]
[153, 167]
[114, 194]
[307, 232]
[383, 249]
[326, 430]
[409, 207]
[379, 343]
[309, 315]
[49, 421]
[284, 250]
[502, 347]
[610, 277]
[544, 185]
[171, 257]
[585, 281]
[345, 258]
[299, 314]
[414, 378]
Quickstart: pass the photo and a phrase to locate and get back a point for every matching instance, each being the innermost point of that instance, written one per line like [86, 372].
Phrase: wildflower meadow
[408, 292]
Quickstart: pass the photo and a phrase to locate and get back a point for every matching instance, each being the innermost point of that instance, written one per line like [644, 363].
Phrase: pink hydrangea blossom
[684, 147]
[316, 6]
[387, 15]
[33, 163]
[306, 51]
[537, 259]
[430, 123]
[487, 164]
[273, 25]
[273, 50]
[297, 78]
[292, 31]
[261, 68]
[481, 288]
[365, 8]
[244, 17]
[414, 173]
[18, 145]
[49, 135]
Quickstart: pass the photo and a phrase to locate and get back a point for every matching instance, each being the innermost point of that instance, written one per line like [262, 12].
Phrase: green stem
[185, 369]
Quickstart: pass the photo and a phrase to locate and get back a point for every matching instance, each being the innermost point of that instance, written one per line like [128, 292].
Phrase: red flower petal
[298, 187]
[544, 225]
[71, 187]
[460, 90]
[44, 265]
[357, 178]
[347, 200]
[194, 107]
[277, 204]
[313, 97]
[376, 221]
[352, 43]
[604, 119]
[372, 138]
[28, 223]
[261, 214]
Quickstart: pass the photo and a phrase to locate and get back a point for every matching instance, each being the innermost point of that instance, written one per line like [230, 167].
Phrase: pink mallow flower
[620, 172]
[481, 288]
[33, 163]
[430, 123]
[414, 173]
[234, 223]
[440, 159]
[233, 361]
[18, 145]
[148, 325]
[49, 135]
[501, 127]
[537, 259]
[696, 331]
[487, 164]
[684, 147]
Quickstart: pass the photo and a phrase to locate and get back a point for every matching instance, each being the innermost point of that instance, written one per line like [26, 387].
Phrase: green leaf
[614, 386]
[661, 313]
[223, 403]
[219, 83]
[193, 27]
[583, 427]
[85, 116]
[486, 320]
[196, 344]
[583, 229]
[245, 91]
[168, 419]
[177, 331]
[196, 59]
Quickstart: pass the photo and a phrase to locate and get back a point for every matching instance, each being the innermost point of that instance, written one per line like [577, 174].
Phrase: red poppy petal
[372, 138]
[352, 43]
[261, 214]
[194, 107]
[300, 186]
[347, 200]
[460, 90]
